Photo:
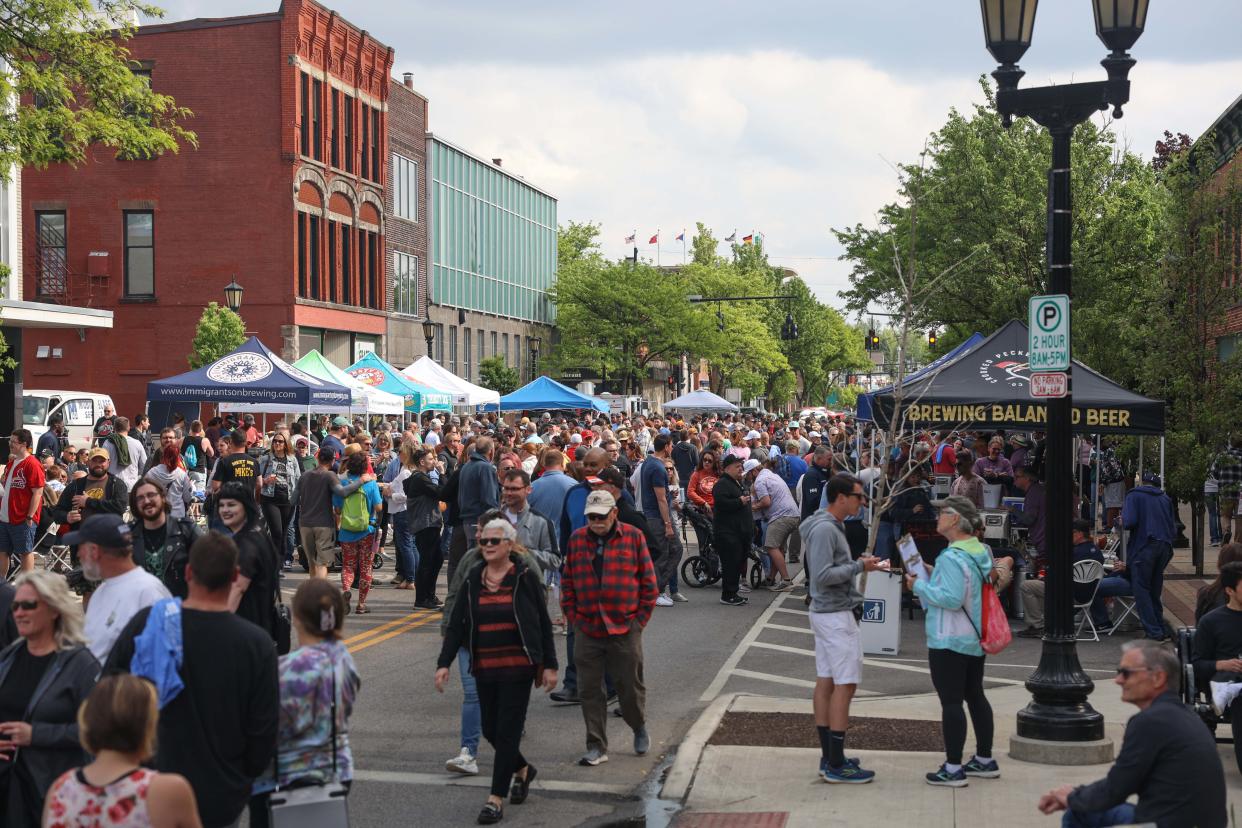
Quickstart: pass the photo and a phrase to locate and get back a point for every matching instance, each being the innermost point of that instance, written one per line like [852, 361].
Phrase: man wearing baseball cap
[608, 592]
[97, 493]
[733, 525]
[105, 549]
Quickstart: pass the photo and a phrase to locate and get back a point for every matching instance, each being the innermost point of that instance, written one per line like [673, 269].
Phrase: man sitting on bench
[1218, 652]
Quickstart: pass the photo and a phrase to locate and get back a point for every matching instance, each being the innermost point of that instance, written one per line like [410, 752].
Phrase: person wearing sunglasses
[502, 618]
[44, 677]
[1167, 757]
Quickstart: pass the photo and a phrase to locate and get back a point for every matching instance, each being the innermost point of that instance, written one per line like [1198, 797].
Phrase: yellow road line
[387, 625]
[418, 622]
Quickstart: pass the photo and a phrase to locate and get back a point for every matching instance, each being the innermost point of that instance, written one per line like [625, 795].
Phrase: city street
[403, 731]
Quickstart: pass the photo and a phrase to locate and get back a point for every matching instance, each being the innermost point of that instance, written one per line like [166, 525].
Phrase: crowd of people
[545, 524]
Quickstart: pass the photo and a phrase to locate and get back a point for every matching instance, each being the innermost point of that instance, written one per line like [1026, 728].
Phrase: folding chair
[1126, 602]
[1088, 572]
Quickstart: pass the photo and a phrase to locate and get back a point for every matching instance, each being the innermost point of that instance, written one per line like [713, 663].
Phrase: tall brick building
[286, 191]
[407, 222]
[1227, 130]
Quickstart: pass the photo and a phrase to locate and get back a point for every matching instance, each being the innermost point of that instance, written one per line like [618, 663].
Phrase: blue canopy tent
[546, 394]
[865, 406]
[251, 374]
[373, 371]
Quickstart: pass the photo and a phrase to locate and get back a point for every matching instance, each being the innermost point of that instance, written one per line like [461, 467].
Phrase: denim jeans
[1146, 569]
[1213, 519]
[407, 550]
[886, 540]
[1122, 814]
[1110, 587]
[471, 716]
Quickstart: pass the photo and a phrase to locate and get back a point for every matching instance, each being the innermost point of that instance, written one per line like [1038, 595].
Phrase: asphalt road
[402, 730]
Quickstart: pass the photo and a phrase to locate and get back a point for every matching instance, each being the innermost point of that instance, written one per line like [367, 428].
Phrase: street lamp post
[534, 343]
[429, 334]
[233, 295]
[1059, 687]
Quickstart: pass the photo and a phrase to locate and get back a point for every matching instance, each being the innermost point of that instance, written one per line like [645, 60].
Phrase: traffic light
[931, 339]
[789, 330]
[873, 341]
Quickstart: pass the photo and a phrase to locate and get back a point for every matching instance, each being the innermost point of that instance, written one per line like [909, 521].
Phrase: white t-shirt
[115, 602]
[432, 439]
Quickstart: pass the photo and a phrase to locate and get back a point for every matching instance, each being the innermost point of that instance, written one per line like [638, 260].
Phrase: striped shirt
[499, 654]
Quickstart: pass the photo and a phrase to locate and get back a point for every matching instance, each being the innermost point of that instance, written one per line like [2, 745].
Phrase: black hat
[109, 531]
[729, 460]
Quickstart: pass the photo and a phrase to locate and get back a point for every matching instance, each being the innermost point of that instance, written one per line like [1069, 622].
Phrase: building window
[373, 272]
[405, 187]
[439, 344]
[481, 354]
[333, 286]
[466, 342]
[304, 125]
[303, 263]
[452, 363]
[1227, 346]
[335, 129]
[310, 339]
[495, 343]
[139, 253]
[347, 268]
[375, 146]
[349, 133]
[316, 265]
[505, 340]
[366, 139]
[405, 284]
[51, 270]
[317, 121]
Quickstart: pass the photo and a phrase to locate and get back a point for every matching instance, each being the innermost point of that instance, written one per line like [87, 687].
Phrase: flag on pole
[630, 238]
[681, 237]
[731, 237]
[654, 239]
[748, 239]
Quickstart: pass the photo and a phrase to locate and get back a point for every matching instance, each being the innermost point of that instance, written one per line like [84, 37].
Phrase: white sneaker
[463, 763]
[664, 600]
[680, 597]
[742, 586]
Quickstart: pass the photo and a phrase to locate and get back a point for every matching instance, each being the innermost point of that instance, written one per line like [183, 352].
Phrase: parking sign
[1049, 330]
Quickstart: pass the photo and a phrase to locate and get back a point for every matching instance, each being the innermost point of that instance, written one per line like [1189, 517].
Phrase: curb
[690, 751]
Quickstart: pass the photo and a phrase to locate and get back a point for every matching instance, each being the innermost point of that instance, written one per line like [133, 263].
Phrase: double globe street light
[1059, 711]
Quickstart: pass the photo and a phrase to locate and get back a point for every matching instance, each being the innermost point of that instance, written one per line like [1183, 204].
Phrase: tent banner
[1031, 415]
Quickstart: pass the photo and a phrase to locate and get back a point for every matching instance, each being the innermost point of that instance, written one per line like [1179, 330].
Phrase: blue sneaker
[848, 774]
[983, 770]
[945, 779]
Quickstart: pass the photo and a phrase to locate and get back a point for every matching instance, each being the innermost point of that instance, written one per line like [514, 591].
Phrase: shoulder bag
[315, 804]
[995, 634]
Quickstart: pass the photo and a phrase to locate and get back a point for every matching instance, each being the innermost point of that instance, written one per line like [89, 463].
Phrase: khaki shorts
[781, 531]
[319, 544]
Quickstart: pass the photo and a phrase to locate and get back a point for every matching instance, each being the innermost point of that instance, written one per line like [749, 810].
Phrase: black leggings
[278, 516]
[429, 562]
[502, 705]
[732, 554]
[959, 678]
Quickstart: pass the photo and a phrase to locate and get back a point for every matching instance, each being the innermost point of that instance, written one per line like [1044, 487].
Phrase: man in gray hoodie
[830, 571]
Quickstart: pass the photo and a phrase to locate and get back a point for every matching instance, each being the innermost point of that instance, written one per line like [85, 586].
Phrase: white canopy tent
[700, 402]
[429, 372]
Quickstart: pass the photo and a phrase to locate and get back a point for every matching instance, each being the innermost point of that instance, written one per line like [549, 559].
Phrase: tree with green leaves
[219, 332]
[496, 375]
[1186, 311]
[982, 212]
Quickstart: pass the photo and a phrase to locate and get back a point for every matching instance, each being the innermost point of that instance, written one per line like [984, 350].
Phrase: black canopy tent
[988, 386]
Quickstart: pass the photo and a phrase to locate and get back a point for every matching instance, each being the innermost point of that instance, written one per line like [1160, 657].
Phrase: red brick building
[285, 191]
[1227, 131]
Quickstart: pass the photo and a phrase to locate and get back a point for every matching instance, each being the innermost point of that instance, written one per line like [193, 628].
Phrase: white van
[79, 410]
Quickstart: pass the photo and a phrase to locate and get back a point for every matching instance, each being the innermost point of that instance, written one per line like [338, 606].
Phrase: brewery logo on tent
[1010, 367]
[368, 376]
[241, 367]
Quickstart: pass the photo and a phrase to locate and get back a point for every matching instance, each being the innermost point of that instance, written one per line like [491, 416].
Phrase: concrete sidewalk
[728, 785]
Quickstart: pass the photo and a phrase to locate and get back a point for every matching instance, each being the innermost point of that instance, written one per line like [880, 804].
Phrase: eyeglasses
[596, 518]
[491, 541]
[1126, 672]
[25, 605]
[276, 442]
[860, 495]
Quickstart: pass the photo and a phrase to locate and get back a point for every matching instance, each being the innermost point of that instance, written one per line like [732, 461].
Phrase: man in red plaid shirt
[608, 590]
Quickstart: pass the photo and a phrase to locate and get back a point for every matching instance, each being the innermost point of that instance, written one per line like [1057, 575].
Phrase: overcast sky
[780, 117]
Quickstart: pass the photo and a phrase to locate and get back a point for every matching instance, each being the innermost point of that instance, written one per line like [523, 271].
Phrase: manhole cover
[798, 730]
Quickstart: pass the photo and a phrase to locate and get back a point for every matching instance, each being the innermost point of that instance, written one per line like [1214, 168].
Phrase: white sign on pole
[1053, 384]
[1049, 329]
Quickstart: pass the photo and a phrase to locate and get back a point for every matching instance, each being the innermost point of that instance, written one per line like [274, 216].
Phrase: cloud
[771, 141]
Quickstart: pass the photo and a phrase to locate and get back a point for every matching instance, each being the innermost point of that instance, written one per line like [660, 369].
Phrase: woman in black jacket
[254, 592]
[503, 618]
[733, 525]
[422, 510]
[44, 676]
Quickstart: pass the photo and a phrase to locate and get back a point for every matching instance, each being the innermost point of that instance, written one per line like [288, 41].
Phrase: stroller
[703, 569]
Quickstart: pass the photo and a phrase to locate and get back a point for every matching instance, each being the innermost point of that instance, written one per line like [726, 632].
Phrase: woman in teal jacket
[952, 597]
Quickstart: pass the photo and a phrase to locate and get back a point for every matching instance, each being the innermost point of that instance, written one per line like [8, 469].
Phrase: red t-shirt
[19, 480]
[948, 459]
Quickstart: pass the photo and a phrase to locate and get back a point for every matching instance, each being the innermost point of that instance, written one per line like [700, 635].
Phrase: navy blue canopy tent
[546, 394]
[251, 374]
[866, 402]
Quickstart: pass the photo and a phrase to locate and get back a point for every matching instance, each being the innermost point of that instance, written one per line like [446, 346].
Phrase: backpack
[780, 465]
[355, 513]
